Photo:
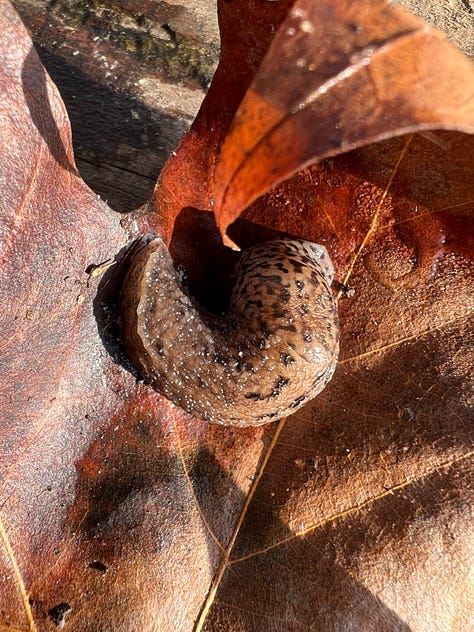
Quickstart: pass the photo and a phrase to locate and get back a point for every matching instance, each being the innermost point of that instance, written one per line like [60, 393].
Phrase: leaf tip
[229, 243]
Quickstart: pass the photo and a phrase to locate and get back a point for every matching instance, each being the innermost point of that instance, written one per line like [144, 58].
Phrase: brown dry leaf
[338, 75]
[118, 512]
[101, 525]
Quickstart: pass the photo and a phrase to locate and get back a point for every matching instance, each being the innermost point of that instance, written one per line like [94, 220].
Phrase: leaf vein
[18, 577]
[347, 512]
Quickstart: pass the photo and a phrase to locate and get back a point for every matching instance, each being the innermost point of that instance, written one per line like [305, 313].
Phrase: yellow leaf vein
[224, 563]
[354, 509]
[374, 224]
[18, 577]
[415, 336]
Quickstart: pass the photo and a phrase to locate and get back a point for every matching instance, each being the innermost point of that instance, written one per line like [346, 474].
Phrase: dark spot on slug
[269, 416]
[315, 278]
[278, 312]
[298, 401]
[285, 295]
[221, 357]
[291, 328]
[282, 381]
[286, 358]
[252, 396]
[272, 278]
[297, 266]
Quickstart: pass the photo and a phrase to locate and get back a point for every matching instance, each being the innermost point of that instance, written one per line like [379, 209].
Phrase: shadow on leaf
[115, 136]
[33, 77]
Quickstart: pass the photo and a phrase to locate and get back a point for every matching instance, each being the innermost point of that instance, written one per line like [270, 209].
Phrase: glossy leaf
[336, 76]
[120, 512]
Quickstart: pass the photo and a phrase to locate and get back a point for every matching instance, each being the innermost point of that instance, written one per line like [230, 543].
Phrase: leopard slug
[274, 349]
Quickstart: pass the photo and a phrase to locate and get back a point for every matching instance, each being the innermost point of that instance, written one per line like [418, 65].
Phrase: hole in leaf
[98, 566]
[58, 613]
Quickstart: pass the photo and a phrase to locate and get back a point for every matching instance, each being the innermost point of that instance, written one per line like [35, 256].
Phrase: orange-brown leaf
[336, 76]
[117, 511]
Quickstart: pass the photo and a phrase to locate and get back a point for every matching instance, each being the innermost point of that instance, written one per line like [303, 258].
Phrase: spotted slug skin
[274, 350]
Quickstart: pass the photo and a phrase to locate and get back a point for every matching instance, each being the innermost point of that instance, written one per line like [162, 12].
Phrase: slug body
[274, 350]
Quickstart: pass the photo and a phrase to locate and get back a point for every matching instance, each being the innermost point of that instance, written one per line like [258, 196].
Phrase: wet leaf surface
[120, 512]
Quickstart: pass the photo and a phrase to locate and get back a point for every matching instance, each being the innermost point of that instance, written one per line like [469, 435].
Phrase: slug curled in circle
[274, 349]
